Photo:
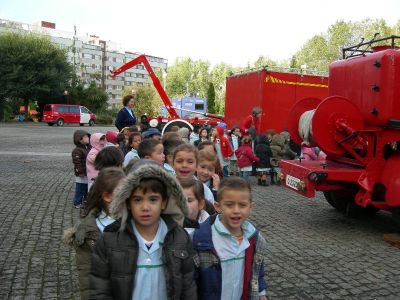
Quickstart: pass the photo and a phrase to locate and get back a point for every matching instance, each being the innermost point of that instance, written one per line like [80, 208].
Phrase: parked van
[62, 113]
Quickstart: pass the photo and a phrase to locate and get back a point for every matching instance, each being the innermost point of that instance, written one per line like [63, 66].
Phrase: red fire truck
[358, 127]
[275, 90]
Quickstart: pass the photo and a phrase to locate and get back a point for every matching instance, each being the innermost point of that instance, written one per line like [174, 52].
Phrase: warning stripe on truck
[280, 81]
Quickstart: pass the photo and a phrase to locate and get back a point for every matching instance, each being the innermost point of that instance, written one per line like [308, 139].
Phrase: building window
[199, 106]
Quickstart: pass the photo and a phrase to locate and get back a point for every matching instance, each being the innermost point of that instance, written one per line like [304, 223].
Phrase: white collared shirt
[202, 217]
[103, 220]
[232, 257]
[131, 155]
[169, 169]
[150, 278]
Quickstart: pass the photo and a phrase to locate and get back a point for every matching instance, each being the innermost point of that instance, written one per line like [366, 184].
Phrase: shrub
[106, 117]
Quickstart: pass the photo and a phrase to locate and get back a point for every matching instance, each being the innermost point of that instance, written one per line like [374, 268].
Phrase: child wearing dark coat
[264, 153]
[145, 254]
[79, 154]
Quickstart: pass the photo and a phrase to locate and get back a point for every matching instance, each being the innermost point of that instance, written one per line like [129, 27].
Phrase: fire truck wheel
[343, 201]
[396, 215]
[355, 211]
[336, 200]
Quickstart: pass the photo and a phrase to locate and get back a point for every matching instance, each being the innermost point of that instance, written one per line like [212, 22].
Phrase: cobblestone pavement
[314, 252]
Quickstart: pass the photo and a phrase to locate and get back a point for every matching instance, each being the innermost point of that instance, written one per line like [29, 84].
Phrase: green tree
[188, 78]
[323, 49]
[198, 86]
[90, 96]
[264, 61]
[31, 68]
[94, 97]
[211, 98]
[313, 54]
[378, 26]
[218, 79]
[396, 28]
[178, 78]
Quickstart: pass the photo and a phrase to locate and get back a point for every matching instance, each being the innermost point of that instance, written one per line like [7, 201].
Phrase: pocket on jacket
[182, 254]
[119, 262]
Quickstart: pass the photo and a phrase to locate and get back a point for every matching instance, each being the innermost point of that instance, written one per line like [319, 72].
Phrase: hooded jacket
[245, 156]
[83, 238]
[114, 261]
[80, 153]
[96, 147]
[263, 152]
[288, 152]
[277, 146]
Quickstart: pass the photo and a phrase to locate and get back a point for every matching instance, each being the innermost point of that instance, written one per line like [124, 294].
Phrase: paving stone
[314, 252]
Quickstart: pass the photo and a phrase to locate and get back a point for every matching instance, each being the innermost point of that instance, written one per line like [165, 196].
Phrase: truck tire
[336, 200]
[343, 201]
[60, 122]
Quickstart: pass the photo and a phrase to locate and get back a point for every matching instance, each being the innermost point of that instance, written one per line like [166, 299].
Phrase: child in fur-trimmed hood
[145, 254]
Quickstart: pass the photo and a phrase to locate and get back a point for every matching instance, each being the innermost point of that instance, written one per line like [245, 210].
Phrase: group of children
[169, 225]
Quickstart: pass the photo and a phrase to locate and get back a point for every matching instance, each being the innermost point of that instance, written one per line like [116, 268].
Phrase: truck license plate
[292, 182]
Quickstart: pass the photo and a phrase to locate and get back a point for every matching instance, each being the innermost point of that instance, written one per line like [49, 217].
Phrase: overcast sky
[231, 31]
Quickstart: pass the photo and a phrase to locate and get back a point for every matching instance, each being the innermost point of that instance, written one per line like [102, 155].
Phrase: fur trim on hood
[177, 204]
[69, 236]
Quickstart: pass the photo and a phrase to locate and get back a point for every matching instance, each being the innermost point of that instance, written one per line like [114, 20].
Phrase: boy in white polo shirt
[145, 254]
[229, 260]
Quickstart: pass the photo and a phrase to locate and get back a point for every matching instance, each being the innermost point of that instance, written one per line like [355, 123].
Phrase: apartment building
[94, 58]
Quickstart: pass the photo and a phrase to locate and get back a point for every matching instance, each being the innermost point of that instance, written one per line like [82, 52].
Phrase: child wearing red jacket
[223, 147]
[245, 157]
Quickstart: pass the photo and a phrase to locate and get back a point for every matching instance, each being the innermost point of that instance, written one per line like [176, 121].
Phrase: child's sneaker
[79, 206]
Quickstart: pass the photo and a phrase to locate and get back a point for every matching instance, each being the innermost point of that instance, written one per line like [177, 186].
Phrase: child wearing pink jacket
[97, 141]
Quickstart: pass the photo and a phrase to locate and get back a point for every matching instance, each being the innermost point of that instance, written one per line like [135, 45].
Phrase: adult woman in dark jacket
[126, 116]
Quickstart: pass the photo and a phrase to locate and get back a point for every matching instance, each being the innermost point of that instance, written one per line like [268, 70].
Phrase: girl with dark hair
[203, 136]
[84, 236]
[109, 157]
[235, 138]
[194, 192]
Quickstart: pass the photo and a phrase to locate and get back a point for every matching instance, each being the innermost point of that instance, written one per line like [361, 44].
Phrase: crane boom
[157, 84]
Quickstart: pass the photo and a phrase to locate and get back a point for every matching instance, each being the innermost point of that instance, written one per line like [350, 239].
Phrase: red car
[63, 113]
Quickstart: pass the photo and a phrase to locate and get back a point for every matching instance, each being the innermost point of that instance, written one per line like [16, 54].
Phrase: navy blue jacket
[124, 119]
[208, 265]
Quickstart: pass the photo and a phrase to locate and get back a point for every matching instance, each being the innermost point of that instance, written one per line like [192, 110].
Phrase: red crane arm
[157, 84]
